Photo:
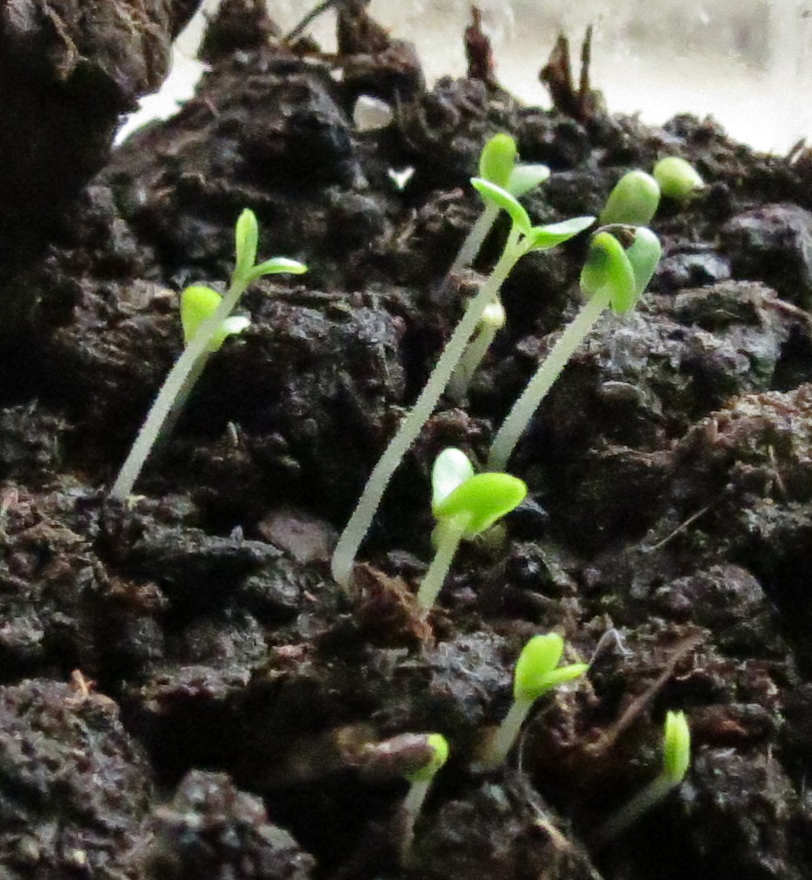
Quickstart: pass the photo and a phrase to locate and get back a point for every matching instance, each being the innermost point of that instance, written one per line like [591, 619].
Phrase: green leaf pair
[619, 273]
[537, 669]
[535, 238]
[476, 500]
[497, 165]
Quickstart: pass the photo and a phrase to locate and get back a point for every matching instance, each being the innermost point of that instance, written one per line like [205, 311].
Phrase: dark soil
[185, 692]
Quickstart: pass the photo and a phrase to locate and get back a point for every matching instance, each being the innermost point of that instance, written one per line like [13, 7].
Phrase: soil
[187, 693]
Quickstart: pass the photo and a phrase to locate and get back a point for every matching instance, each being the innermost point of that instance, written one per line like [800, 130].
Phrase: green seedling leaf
[542, 238]
[678, 179]
[537, 668]
[490, 192]
[275, 266]
[451, 469]
[246, 239]
[633, 201]
[676, 747]
[439, 746]
[481, 500]
[608, 271]
[525, 177]
[197, 303]
[644, 254]
[497, 158]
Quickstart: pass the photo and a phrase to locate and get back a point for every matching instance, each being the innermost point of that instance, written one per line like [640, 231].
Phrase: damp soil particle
[184, 690]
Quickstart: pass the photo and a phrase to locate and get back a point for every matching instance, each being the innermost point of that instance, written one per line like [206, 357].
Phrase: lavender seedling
[537, 672]
[465, 505]
[613, 277]
[676, 760]
[420, 780]
[633, 200]
[523, 238]
[189, 365]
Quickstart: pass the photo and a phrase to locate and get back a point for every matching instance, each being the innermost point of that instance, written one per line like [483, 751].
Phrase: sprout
[633, 201]
[614, 278]
[497, 164]
[204, 334]
[465, 505]
[677, 178]
[421, 779]
[522, 239]
[197, 303]
[492, 321]
[537, 672]
[676, 760]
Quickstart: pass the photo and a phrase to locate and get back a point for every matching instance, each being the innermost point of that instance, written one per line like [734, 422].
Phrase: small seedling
[678, 179]
[676, 760]
[613, 277]
[203, 335]
[497, 164]
[537, 672]
[420, 780]
[465, 505]
[522, 239]
[493, 320]
[633, 201]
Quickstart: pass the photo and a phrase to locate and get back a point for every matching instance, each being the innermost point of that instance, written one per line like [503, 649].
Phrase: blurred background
[748, 63]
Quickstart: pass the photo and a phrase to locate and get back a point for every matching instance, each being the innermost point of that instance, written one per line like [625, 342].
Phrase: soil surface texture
[184, 690]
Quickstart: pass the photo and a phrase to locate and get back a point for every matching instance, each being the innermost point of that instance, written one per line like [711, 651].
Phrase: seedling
[420, 781]
[497, 164]
[203, 336]
[677, 178]
[465, 505]
[492, 321]
[633, 201]
[613, 277]
[537, 672]
[676, 760]
[523, 238]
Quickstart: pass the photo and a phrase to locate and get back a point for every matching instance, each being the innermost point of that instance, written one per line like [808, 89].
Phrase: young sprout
[465, 505]
[420, 780]
[201, 340]
[523, 238]
[612, 277]
[537, 672]
[497, 165]
[677, 178]
[633, 201]
[676, 760]
[492, 321]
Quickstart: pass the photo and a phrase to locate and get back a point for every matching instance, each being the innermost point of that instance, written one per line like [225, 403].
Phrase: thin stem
[506, 735]
[357, 527]
[450, 536]
[641, 803]
[473, 241]
[176, 383]
[550, 369]
[410, 810]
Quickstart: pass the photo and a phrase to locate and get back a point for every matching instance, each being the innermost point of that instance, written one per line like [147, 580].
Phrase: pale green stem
[470, 361]
[506, 735]
[641, 803]
[450, 535]
[356, 529]
[411, 807]
[550, 369]
[175, 384]
[473, 241]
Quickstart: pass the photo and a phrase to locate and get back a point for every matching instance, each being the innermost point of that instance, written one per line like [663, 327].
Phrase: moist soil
[185, 690]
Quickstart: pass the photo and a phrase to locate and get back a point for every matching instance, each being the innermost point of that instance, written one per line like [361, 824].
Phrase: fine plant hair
[187, 368]
[614, 278]
[522, 238]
